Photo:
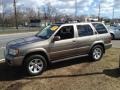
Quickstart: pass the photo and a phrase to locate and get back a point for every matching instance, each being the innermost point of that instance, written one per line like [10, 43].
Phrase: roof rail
[59, 23]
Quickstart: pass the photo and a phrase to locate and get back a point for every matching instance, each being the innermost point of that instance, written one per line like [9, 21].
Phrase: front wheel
[96, 53]
[35, 65]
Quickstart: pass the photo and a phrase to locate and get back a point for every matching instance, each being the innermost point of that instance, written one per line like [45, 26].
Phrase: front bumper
[14, 61]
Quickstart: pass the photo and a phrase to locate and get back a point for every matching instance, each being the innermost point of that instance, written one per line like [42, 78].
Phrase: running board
[60, 60]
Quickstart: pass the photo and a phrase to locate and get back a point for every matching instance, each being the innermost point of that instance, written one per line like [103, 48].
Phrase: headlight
[13, 51]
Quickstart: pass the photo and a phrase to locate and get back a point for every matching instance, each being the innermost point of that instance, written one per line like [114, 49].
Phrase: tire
[35, 65]
[112, 37]
[96, 53]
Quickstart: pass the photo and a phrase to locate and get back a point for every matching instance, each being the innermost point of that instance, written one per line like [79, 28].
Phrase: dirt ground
[77, 74]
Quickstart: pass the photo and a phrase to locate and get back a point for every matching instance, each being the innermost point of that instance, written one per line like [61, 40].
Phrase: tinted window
[84, 30]
[100, 28]
[66, 32]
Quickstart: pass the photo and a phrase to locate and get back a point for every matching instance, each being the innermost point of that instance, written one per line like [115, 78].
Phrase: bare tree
[50, 12]
[30, 13]
[2, 4]
[38, 13]
[15, 13]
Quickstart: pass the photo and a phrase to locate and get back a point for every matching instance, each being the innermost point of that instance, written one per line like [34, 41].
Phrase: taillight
[109, 39]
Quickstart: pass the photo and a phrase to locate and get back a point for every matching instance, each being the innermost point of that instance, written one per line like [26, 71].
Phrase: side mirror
[56, 38]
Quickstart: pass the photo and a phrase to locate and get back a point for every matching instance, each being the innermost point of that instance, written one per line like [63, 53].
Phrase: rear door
[86, 37]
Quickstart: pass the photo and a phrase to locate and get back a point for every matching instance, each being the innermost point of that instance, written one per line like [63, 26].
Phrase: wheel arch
[98, 43]
[38, 52]
[112, 34]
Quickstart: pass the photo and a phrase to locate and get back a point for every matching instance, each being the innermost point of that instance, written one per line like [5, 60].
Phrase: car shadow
[8, 73]
[69, 63]
[112, 72]
[63, 76]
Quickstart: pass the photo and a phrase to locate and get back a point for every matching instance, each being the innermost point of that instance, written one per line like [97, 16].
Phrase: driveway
[116, 43]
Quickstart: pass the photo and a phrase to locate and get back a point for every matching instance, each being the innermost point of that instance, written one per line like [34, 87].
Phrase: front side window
[66, 32]
[84, 30]
[100, 28]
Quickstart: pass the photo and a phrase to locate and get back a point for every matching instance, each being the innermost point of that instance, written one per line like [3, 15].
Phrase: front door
[63, 48]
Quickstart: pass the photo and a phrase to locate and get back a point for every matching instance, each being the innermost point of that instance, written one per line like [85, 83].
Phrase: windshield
[47, 32]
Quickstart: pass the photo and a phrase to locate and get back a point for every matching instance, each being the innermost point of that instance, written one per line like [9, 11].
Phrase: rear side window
[84, 30]
[100, 28]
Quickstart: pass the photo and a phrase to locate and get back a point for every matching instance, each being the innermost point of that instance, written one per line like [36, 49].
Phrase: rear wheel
[35, 64]
[96, 53]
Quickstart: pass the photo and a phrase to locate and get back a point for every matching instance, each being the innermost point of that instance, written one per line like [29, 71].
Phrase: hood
[23, 41]
[111, 30]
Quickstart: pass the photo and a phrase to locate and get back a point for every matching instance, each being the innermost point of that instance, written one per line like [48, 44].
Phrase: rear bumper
[107, 46]
[14, 61]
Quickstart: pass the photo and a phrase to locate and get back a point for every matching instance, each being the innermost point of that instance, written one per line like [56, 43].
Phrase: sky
[84, 7]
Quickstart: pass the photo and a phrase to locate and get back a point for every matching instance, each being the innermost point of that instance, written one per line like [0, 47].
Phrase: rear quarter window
[100, 28]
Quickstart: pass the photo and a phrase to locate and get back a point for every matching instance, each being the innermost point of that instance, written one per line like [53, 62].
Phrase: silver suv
[58, 42]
